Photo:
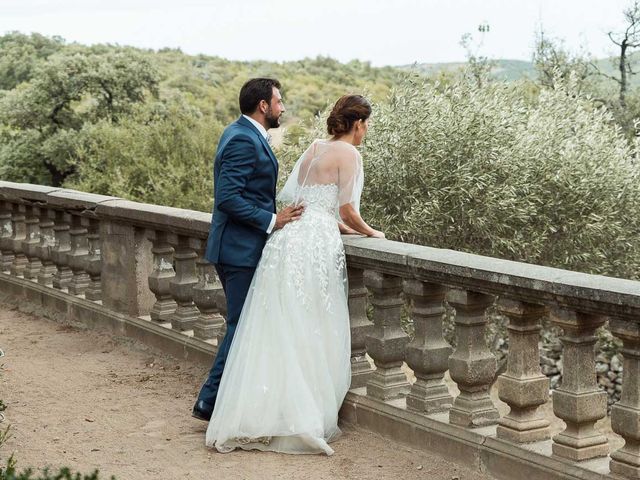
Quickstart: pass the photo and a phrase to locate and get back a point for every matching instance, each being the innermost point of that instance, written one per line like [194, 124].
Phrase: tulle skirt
[288, 368]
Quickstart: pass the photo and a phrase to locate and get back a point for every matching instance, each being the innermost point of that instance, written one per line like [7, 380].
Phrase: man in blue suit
[244, 213]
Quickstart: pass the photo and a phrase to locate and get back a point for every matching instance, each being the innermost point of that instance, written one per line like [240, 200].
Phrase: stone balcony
[137, 269]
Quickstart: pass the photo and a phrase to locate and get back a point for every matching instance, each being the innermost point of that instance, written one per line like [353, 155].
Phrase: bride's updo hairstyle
[347, 111]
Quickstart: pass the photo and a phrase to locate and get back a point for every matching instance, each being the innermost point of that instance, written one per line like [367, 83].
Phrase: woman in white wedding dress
[288, 369]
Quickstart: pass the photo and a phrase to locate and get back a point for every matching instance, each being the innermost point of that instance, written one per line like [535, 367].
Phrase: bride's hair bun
[347, 110]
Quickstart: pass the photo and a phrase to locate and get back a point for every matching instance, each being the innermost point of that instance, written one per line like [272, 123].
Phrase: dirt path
[87, 400]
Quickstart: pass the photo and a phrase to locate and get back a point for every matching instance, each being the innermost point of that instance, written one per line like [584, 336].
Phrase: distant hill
[510, 70]
[609, 66]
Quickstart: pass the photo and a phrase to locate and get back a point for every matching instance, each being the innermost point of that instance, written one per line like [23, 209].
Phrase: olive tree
[483, 168]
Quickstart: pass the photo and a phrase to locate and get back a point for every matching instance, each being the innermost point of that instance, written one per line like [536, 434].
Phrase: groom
[244, 175]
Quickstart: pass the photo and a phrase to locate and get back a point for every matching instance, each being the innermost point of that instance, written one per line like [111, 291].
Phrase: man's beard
[273, 122]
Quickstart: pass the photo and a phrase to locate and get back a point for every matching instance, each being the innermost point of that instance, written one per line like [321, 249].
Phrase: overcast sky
[385, 32]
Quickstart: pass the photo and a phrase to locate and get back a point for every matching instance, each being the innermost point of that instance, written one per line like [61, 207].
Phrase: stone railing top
[54, 197]
[75, 200]
[25, 191]
[178, 220]
[533, 283]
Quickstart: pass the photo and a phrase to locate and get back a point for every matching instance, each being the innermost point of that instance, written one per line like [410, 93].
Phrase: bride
[288, 369]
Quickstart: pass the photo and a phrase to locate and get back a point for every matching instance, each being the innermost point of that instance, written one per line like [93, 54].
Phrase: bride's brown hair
[347, 110]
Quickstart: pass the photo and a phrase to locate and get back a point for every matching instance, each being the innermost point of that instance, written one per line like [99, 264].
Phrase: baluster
[17, 237]
[6, 232]
[472, 366]
[160, 278]
[221, 301]
[428, 353]
[625, 415]
[47, 242]
[579, 401]
[31, 243]
[93, 262]
[210, 323]
[182, 284]
[62, 247]
[77, 255]
[360, 327]
[523, 386]
[387, 342]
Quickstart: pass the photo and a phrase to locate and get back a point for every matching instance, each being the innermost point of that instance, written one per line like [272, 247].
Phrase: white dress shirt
[264, 133]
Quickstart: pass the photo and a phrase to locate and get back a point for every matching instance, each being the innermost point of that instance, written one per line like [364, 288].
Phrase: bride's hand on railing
[377, 234]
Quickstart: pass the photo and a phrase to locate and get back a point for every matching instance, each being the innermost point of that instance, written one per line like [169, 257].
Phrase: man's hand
[288, 214]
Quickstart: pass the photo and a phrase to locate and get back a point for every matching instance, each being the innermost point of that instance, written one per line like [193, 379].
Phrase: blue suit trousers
[235, 282]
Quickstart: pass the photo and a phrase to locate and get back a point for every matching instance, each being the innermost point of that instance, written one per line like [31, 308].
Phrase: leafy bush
[489, 170]
[162, 154]
[21, 54]
[40, 118]
[10, 473]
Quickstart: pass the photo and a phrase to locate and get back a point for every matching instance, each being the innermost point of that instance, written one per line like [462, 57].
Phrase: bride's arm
[350, 176]
[353, 220]
[346, 230]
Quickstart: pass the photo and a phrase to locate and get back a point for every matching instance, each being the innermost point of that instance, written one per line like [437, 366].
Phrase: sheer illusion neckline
[324, 140]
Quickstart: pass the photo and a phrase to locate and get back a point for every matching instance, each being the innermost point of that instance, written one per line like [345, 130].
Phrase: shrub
[162, 154]
[63, 474]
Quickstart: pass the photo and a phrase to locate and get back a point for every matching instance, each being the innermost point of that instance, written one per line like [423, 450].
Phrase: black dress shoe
[201, 411]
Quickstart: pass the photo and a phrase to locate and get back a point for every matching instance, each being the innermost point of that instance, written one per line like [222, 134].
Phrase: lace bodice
[321, 197]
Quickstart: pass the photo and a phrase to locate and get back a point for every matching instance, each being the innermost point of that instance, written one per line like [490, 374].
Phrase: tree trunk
[623, 74]
[57, 177]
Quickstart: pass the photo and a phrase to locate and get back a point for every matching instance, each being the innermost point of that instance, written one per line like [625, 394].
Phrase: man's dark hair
[255, 90]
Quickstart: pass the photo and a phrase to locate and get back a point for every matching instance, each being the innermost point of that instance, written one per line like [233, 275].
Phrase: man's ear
[263, 106]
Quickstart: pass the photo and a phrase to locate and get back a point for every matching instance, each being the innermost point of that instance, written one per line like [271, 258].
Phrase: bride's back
[324, 161]
[329, 174]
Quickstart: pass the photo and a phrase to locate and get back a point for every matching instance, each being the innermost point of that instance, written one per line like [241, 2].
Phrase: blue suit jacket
[245, 171]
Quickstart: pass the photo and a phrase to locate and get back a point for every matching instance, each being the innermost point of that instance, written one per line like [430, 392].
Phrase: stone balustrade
[141, 267]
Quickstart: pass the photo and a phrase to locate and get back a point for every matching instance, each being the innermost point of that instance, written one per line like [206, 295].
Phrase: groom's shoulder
[237, 128]
[234, 133]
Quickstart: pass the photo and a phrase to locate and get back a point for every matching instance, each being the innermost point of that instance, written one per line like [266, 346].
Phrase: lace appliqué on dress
[314, 241]
[233, 443]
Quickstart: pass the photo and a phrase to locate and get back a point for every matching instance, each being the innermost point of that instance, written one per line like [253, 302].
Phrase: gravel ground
[89, 401]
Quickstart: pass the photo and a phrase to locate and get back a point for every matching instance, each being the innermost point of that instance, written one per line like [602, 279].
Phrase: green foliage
[42, 117]
[21, 54]
[212, 84]
[552, 60]
[10, 473]
[161, 154]
[482, 168]
[141, 124]
[5, 434]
